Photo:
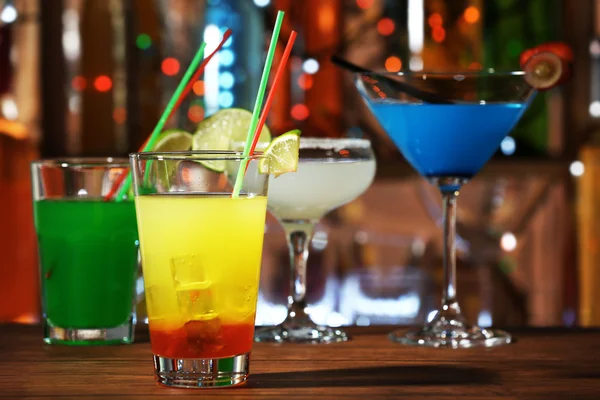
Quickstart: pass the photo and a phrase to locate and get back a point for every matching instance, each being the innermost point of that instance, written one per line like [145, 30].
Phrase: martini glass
[331, 173]
[447, 125]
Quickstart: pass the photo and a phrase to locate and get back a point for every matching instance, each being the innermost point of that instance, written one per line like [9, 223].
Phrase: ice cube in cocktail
[197, 304]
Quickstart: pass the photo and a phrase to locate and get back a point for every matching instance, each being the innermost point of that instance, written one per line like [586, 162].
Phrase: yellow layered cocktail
[201, 257]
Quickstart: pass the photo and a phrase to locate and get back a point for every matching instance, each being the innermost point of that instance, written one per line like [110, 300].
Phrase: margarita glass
[331, 173]
[201, 251]
[447, 139]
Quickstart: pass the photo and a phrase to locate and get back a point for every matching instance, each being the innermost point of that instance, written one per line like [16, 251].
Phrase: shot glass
[88, 251]
[201, 252]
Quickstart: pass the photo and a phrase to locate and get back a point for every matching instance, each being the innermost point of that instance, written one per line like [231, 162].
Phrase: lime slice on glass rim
[281, 156]
[173, 140]
[218, 131]
[170, 140]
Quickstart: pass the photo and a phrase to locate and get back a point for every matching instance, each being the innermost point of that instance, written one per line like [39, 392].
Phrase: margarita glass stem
[298, 240]
[449, 302]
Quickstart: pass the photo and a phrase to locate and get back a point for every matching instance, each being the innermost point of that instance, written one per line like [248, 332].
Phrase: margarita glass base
[123, 334]
[202, 372]
[450, 329]
[307, 332]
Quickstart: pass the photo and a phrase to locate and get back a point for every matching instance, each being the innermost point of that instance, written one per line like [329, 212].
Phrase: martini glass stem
[449, 301]
[298, 238]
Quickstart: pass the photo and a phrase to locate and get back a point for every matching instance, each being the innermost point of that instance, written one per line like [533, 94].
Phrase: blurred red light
[364, 4]
[393, 64]
[438, 34]
[196, 113]
[120, 115]
[475, 66]
[198, 88]
[79, 83]
[385, 26]
[472, 14]
[300, 112]
[305, 81]
[103, 83]
[435, 19]
[170, 66]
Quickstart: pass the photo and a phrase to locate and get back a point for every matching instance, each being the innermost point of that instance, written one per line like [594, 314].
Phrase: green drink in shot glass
[88, 251]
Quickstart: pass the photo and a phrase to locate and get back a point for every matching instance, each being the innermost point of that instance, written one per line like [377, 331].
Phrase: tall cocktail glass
[331, 173]
[201, 252]
[88, 251]
[447, 139]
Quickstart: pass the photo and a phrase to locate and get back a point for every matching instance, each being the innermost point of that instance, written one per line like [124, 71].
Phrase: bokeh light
[472, 14]
[198, 88]
[170, 66]
[226, 58]
[508, 146]
[143, 41]
[514, 48]
[393, 64]
[9, 108]
[196, 113]
[438, 34]
[262, 3]
[310, 66]
[103, 83]
[79, 83]
[305, 81]
[300, 112]
[385, 26]
[9, 14]
[594, 109]
[226, 99]
[226, 80]
[364, 4]
[435, 20]
[577, 168]
[120, 115]
[508, 242]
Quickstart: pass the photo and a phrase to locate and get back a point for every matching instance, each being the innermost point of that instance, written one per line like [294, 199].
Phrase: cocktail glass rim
[66, 162]
[481, 73]
[192, 155]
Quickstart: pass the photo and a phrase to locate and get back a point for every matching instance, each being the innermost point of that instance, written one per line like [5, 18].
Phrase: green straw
[257, 105]
[165, 115]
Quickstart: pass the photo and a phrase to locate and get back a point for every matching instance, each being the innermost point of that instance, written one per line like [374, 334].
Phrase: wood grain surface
[543, 364]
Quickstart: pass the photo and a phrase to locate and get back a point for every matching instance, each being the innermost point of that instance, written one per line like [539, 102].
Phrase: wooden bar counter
[542, 364]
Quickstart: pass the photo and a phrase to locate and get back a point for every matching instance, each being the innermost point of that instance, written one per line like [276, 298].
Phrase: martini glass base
[312, 334]
[451, 331]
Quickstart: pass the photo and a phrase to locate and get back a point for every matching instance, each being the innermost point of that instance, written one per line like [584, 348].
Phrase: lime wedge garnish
[173, 140]
[170, 140]
[282, 155]
[221, 129]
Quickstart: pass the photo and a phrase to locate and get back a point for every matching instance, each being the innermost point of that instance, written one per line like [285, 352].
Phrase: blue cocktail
[441, 140]
[447, 128]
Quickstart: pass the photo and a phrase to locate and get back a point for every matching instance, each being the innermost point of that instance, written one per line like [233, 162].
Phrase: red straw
[271, 96]
[185, 92]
